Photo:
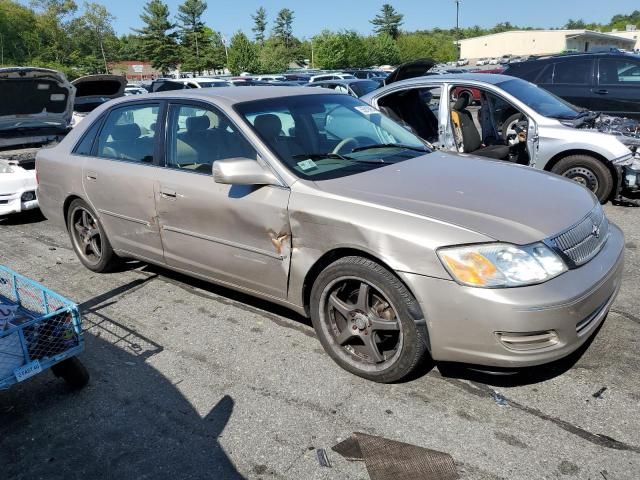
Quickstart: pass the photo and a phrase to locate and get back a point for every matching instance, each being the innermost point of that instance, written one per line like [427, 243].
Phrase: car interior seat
[472, 143]
[126, 144]
[409, 107]
[269, 126]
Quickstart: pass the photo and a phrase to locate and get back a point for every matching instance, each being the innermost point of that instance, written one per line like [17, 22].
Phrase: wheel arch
[589, 153]
[337, 253]
[66, 205]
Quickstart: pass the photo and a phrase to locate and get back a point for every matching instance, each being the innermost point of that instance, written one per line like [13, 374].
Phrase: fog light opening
[28, 196]
[528, 341]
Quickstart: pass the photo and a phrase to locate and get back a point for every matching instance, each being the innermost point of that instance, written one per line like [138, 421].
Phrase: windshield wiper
[320, 156]
[389, 145]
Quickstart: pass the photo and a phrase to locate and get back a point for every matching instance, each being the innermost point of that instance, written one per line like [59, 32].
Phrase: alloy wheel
[86, 235]
[362, 321]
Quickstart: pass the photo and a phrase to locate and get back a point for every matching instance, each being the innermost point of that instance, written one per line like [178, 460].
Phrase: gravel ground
[193, 381]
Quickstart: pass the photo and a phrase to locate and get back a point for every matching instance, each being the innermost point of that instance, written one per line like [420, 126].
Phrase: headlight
[501, 265]
[5, 167]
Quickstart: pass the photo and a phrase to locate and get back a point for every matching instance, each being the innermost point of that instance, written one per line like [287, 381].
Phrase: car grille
[583, 241]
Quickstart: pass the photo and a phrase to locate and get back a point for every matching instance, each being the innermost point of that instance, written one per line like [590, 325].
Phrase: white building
[543, 42]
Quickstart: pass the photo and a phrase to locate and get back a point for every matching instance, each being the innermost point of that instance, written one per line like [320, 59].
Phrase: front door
[239, 235]
[118, 178]
[618, 89]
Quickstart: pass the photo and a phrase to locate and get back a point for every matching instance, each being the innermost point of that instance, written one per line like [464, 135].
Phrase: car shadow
[23, 218]
[193, 284]
[506, 378]
[130, 422]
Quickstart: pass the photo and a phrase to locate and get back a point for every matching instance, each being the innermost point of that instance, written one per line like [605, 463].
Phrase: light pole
[458, 27]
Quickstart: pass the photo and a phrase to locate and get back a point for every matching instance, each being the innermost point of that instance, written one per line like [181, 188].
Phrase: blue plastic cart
[39, 329]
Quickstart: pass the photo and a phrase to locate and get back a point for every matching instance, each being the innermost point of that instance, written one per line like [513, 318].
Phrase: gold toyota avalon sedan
[315, 201]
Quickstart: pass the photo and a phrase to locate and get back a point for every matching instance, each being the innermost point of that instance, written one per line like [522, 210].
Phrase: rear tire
[383, 341]
[89, 239]
[589, 172]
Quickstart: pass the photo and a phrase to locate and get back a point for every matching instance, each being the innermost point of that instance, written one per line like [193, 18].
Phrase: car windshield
[542, 101]
[364, 87]
[320, 137]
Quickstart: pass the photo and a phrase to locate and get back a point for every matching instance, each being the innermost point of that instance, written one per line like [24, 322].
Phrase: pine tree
[243, 55]
[158, 36]
[283, 28]
[192, 34]
[260, 25]
[388, 21]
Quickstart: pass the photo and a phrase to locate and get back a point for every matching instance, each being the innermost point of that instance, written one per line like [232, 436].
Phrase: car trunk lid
[407, 70]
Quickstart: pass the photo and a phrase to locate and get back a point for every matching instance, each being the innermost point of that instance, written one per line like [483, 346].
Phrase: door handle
[602, 91]
[93, 176]
[168, 194]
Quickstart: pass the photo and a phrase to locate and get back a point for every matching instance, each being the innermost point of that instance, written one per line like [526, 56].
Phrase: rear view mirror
[242, 171]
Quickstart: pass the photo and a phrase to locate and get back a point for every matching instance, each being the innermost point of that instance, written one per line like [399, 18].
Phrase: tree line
[80, 39]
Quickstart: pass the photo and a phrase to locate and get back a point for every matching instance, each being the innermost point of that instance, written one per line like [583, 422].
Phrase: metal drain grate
[390, 460]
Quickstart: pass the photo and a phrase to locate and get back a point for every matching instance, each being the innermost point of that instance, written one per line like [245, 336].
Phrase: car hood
[34, 97]
[502, 201]
[94, 90]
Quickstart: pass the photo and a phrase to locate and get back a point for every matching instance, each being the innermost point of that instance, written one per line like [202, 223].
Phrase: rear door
[573, 80]
[233, 234]
[119, 175]
[618, 89]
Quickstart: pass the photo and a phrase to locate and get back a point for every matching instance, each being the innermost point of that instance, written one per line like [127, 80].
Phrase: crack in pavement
[484, 391]
[626, 315]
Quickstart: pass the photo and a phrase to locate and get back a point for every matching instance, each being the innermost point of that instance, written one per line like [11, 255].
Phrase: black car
[602, 82]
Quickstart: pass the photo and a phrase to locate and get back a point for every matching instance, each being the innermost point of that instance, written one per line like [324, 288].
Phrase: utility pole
[458, 27]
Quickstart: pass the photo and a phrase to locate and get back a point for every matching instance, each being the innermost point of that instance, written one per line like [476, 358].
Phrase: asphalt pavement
[194, 381]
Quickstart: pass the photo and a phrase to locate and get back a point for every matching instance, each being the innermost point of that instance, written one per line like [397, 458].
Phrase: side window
[129, 133]
[613, 71]
[198, 136]
[575, 72]
[85, 145]
[546, 76]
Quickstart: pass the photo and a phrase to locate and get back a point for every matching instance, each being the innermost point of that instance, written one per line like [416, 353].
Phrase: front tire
[89, 239]
[366, 318]
[589, 172]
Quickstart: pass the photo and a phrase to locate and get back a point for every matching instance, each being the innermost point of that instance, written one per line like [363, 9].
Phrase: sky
[311, 16]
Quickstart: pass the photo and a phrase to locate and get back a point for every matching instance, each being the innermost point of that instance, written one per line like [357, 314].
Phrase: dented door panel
[122, 194]
[233, 234]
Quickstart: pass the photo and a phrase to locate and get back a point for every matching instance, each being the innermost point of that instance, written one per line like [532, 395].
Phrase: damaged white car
[35, 111]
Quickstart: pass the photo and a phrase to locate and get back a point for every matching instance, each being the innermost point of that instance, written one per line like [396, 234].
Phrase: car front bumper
[519, 327]
[18, 192]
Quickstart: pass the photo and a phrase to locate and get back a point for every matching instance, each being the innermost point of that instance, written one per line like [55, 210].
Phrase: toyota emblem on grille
[595, 231]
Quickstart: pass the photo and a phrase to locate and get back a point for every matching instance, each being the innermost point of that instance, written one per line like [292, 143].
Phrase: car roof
[491, 78]
[343, 81]
[230, 96]
[569, 56]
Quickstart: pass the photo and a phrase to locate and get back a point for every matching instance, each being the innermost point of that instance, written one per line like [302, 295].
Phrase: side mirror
[242, 171]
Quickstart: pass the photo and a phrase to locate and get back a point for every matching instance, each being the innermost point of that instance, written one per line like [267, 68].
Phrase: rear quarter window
[85, 145]
[573, 72]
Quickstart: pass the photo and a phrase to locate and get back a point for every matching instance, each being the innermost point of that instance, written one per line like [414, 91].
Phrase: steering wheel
[343, 144]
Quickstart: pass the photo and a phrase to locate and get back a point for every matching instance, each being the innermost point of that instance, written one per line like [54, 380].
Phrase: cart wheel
[72, 371]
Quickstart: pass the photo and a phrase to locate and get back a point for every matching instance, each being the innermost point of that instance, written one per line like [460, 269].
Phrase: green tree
[214, 53]
[95, 42]
[192, 34]
[388, 21]
[158, 36]
[382, 50]
[52, 24]
[274, 57]
[283, 27]
[243, 55]
[259, 25]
